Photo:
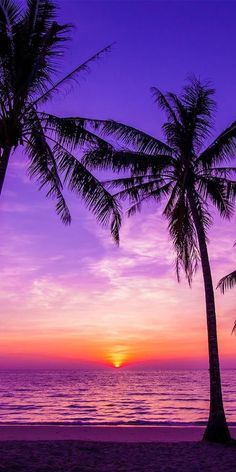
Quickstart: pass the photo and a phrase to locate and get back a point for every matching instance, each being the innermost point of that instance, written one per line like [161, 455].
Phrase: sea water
[112, 396]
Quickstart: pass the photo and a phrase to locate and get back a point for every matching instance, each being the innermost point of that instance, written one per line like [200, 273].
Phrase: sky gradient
[68, 295]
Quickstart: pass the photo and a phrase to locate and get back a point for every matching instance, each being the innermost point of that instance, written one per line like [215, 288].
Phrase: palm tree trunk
[217, 429]
[4, 159]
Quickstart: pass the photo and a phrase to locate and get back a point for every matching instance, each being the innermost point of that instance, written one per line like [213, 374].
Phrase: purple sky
[67, 293]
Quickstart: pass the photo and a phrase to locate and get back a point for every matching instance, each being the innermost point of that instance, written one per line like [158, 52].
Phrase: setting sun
[117, 356]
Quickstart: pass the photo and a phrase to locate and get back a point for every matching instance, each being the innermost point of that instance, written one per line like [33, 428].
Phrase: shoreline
[112, 434]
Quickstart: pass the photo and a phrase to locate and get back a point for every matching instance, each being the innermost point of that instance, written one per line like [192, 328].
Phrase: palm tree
[190, 179]
[31, 43]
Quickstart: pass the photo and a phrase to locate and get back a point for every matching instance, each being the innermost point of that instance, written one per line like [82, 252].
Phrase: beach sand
[76, 455]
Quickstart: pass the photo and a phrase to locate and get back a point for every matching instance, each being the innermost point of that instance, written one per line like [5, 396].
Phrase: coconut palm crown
[31, 44]
[188, 179]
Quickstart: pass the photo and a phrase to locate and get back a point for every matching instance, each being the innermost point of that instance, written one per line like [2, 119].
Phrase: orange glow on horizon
[70, 349]
[118, 356]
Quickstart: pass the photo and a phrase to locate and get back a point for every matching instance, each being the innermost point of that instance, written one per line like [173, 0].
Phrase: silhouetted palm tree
[190, 179]
[31, 42]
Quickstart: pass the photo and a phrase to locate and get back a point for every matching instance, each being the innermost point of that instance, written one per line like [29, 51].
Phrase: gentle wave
[119, 397]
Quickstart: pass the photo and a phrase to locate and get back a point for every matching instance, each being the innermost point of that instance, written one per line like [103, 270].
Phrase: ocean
[111, 397]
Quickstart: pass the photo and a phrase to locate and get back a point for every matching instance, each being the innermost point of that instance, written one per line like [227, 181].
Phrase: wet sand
[102, 433]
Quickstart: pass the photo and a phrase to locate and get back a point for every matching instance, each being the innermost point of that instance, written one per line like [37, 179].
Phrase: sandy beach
[83, 456]
[110, 449]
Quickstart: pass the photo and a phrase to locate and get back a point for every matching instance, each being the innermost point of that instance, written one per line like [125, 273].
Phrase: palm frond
[72, 131]
[79, 180]
[225, 172]
[130, 136]
[39, 15]
[42, 59]
[84, 67]
[218, 191]
[234, 328]
[127, 182]
[189, 116]
[36, 44]
[164, 104]
[184, 237]
[227, 282]
[197, 98]
[175, 136]
[10, 14]
[105, 158]
[155, 194]
[231, 190]
[42, 167]
[178, 107]
[222, 149]
[171, 201]
[148, 190]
